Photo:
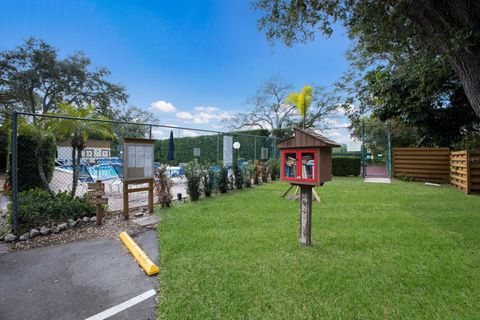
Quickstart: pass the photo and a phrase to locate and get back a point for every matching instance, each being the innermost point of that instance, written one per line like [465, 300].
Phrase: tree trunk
[440, 23]
[75, 171]
[466, 64]
[41, 172]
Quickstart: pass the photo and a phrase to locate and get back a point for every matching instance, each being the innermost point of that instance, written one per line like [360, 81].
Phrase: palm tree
[78, 132]
[302, 101]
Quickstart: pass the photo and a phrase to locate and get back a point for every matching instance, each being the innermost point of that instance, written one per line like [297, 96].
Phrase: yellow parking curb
[143, 260]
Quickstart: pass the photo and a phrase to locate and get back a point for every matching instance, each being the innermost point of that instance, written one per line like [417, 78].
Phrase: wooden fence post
[469, 180]
[305, 215]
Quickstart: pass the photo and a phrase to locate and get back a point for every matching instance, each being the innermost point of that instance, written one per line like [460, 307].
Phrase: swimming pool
[93, 173]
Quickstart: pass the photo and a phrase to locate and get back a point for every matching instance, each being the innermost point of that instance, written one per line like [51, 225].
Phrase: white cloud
[206, 109]
[203, 117]
[184, 115]
[157, 133]
[163, 106]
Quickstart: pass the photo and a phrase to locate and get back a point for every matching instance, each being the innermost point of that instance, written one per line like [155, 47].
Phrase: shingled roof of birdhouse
[306, 138]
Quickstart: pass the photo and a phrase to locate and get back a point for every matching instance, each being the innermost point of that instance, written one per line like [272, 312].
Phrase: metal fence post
[150, 133]
[389, 151]
[14, 171]
[363, 150]
[255, 148]
[218, 145]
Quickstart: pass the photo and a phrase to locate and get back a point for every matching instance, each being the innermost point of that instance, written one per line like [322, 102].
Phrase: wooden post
[468, 178]
[306, 215]
[99, 214]
[125, 200]
[150, 196]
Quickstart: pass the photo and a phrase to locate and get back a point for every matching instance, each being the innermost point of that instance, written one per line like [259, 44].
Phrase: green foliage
[346, 166]
[238, 176]
[209, 145]
[35, 79]
[208, 179]
[248, 174]
[37, 208]
[3, 147]
[395, 35]
[193, 173]
[257, 172]
[223, 180]
[28, 143]
[274, 166]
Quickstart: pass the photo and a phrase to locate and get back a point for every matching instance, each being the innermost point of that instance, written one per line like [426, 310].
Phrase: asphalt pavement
[76, 280]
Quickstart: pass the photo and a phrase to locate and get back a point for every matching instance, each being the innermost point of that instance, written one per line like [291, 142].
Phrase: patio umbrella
[171, 147]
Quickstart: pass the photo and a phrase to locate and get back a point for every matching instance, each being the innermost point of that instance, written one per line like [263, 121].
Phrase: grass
[398, 251]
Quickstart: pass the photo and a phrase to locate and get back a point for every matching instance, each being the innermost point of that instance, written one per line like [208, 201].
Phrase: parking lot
[95, 279]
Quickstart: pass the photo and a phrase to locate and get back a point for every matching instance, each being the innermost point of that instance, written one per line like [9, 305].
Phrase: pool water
[93, 173]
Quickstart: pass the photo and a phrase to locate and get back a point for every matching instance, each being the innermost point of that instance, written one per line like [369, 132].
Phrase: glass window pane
[290, 165]
[308, 165]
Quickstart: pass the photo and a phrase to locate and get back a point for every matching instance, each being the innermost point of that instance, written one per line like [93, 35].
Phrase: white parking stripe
[122, 306]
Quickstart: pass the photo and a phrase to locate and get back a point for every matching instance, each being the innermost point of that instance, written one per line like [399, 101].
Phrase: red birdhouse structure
[306, 158]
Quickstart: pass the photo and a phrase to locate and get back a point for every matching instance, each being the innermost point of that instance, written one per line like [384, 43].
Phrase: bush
[274, 166]
[163, 187]
[247, 175]
[223, 180]
[208, 182]
[194, 179]
[237, 172]
[37, 208]
[257, 172]
[346, 166]
[28, 176]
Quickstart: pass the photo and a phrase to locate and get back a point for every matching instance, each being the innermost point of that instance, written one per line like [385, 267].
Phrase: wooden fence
[422, 164]
[465, 170]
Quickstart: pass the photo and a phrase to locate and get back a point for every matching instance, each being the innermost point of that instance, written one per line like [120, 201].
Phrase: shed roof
[88, 144]
[306, 138]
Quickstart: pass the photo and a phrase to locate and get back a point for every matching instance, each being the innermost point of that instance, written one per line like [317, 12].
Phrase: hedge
[211, 144]
[346, 166]
[28, 177]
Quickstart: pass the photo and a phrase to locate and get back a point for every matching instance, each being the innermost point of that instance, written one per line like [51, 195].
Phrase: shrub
[163, 187]
[208, 182]
[247, 172]
[264, 171]
[37, 208]
[194, 179]
[346, 166]
[237, 172]
[223, 180]
[257, 171]
[274, 166]
[28, 176]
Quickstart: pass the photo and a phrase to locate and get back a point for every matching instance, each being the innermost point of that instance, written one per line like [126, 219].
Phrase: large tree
[273, 111]
[34, 79]
[270, 109]
[386, 32]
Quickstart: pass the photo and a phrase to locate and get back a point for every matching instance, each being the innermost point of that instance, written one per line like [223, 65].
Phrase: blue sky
[193, 58]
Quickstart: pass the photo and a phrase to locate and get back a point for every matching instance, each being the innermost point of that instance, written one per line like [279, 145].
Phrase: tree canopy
[388, 33]
[34, 79]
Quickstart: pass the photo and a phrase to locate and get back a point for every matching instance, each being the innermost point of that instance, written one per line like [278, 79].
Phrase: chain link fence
[63, 154]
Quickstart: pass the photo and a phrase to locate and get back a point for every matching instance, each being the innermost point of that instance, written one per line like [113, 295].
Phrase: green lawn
[398, 251]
